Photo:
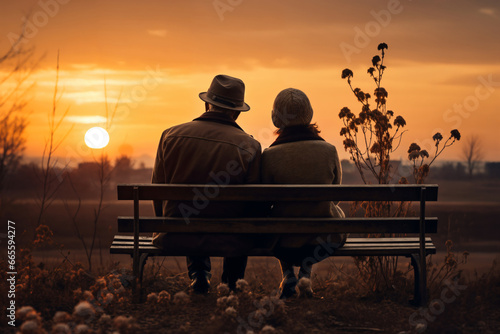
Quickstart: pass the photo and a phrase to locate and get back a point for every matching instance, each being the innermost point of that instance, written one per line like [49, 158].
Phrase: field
[56, 279]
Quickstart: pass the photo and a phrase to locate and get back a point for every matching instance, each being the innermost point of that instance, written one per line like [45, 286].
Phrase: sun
[96, 137]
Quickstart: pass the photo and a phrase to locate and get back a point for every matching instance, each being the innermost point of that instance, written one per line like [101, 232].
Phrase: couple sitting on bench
[214, 149]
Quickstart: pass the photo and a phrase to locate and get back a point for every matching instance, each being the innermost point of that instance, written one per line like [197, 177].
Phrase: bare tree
[16, 66]
[472, 153]
[50, 181]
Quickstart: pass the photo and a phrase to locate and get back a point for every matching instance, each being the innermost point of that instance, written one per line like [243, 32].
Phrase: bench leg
[420, 290]
[142, 264]
[138, 275]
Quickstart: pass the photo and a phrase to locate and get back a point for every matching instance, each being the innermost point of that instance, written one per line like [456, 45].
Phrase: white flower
[105, 320]
[108, 298]
[268, 329]
[241, 284]
[88, 295]
[84, 310]
[222, 301]
[23, 312]
[122, 323]
[61, 329]
[152, 297]
[82, 329]
[223, 289]
[232, 300]
[181, 298]
[231, 311]
[163, 296]
[61, 316]
[28, 313]
[30, 326]
[420, 327]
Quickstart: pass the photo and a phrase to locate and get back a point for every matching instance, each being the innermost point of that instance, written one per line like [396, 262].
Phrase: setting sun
[96, 137]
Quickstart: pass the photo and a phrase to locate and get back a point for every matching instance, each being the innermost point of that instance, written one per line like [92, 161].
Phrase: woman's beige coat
[303, 162]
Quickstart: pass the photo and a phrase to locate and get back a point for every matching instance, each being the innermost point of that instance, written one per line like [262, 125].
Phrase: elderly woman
[300, 156]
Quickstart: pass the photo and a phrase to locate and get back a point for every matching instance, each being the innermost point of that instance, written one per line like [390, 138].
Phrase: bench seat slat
[373, 246]
[278, 225]
[359, 245]
[345, 250]
[353, 240]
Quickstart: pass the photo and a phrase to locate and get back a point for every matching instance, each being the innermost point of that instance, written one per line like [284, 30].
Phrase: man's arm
[254, 176]
[159, 176]
[253, 170]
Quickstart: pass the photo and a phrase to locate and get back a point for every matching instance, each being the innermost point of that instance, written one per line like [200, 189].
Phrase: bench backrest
[281, 192]
[270, 193]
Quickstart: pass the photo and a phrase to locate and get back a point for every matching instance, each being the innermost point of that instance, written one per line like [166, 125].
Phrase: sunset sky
[443, 65]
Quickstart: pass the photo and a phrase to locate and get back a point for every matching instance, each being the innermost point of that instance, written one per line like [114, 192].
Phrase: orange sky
[443, 64]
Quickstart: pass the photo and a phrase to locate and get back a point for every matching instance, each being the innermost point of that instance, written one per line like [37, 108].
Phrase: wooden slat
[130, 249]
[392, 240]
[131, 237]
[281, 192]
[347, 245]
[396, 246]
[149, 239]
[380, 251]
[378, 248]
[278, 225]
[358, 245]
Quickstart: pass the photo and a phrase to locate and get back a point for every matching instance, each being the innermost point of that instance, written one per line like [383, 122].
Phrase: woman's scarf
[296, 133]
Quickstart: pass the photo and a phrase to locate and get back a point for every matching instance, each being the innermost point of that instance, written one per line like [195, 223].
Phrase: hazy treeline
[82, 181]
[445, 171]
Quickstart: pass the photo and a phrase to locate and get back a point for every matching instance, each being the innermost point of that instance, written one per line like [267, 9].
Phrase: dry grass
[341, 303]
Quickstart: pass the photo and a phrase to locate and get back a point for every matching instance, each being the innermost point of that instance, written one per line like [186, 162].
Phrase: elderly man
[210, 149]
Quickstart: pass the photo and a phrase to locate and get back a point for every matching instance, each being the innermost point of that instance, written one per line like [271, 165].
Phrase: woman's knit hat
[291, 107]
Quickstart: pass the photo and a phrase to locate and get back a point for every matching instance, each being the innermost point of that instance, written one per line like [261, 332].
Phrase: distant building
[88, 167]
[492, 169]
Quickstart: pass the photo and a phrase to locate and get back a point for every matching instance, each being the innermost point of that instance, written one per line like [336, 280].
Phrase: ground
[340, 304]
[54, 280]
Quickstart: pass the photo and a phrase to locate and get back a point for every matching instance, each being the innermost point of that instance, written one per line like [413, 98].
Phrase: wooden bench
[414, 244]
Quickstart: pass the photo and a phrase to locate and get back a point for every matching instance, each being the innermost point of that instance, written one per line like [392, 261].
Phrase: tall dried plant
[370, 137]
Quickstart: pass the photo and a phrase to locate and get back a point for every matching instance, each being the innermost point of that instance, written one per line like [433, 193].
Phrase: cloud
[95, 97]
[84, 66]
[158, 33]
[87, 119]
[487, 11]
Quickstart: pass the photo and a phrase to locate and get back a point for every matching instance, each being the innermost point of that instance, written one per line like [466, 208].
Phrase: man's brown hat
[226, 92]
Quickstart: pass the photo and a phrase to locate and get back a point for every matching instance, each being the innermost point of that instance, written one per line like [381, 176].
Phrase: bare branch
[472, 153]
[50, 185]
